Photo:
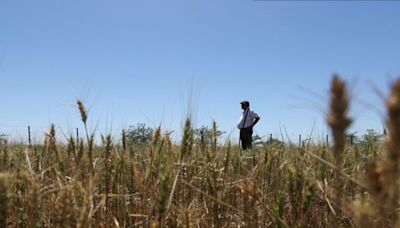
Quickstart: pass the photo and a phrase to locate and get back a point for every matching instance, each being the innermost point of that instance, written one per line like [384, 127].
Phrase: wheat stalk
[338, 121]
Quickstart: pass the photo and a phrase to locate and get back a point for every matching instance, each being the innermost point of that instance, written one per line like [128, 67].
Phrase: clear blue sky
[140, 61]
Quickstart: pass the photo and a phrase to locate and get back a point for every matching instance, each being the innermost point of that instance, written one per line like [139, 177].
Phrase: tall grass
[200, 184]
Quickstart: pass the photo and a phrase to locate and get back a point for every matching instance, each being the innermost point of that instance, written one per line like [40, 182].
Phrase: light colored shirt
[247, 120]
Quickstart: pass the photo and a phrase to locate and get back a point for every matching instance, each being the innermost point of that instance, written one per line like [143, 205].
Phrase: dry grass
[81, 184]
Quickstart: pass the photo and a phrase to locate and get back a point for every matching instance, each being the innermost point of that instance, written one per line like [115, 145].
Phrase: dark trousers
[246, 137]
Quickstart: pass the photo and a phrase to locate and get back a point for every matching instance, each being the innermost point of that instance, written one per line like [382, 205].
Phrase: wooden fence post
[351, 139]
[327, 140]
[299, 140]
[29, 137]
[77, 136]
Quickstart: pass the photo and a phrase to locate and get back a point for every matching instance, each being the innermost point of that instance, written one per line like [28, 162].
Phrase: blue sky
[145, 61]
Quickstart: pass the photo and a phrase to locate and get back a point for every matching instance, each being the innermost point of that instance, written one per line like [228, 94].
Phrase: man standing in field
[246, 123]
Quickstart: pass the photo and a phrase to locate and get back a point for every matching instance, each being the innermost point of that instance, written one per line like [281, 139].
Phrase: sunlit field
[205, 181]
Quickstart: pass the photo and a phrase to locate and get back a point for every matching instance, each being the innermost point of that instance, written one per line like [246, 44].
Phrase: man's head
[245, 104]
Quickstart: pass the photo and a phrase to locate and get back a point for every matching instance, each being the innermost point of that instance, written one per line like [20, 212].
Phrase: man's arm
[256, 121]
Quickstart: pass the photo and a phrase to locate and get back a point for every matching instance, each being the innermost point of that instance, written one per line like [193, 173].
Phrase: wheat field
[205, 183]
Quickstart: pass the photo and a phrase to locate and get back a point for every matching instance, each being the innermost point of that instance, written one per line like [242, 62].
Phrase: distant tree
[370, 139]
[371, 136]
[139, 134]
[367, 144]
[204, 134]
